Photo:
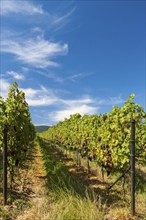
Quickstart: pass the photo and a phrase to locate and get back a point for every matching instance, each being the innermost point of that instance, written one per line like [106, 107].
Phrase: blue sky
[73, 56]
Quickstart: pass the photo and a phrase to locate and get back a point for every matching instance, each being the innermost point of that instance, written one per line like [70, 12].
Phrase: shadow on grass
[77, 182]
[16, 192]
[140, 181]
[1, 162]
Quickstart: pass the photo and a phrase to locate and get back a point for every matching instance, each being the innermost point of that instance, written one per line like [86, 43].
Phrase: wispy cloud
[36, 52]
[40, 97]
[84, 100]
[112, 101]
[115, 100]
[21, 7]
[34, 97]
[43, 96]
[82, 106]
[77, 76]
[85, 105]
[16, 75]
[61, 79]
[49, 74]
[59, 21]
[4, 87]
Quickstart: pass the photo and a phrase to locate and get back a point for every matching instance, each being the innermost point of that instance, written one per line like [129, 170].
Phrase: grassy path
[86, 193]
[28, 202]
[37, 197]
[56, 189]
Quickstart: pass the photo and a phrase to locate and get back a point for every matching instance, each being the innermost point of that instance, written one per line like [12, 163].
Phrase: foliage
[15, 118]
[104, 138]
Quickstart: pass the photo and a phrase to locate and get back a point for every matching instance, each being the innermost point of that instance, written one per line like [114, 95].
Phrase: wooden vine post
[5, 166]
[132, 167]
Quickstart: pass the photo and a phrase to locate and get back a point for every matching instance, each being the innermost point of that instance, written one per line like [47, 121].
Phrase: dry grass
[63, 192]
[68, 206]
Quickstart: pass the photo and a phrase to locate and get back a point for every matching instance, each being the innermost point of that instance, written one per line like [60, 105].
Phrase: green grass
[16, 198]
[1, 163]
[68, 199]
[72, 199]
[66, 194]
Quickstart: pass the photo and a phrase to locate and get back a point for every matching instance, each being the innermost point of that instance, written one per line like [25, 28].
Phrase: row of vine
[15, 119]
[104, 138]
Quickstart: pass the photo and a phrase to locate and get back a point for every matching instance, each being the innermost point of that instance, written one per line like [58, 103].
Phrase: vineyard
[86, 160]
[17, 134]
[104, 138]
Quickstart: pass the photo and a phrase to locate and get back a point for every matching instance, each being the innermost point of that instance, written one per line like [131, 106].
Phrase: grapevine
[14, 114]
[104, 138]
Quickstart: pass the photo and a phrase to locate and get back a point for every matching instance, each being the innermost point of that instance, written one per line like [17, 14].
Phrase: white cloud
[30, 93]
[77, 108]
[59, 21]
[23, 7]
[34, 97]
[45, 97]
[36, 52]
[40, 97]
[54, 77]
[85, 105]
[84, 100]
[37, 30]
[48, 97]
[116, 100]
[113, 101]
[4, 88]
[50, 75]
[76, 76]
[16, 75]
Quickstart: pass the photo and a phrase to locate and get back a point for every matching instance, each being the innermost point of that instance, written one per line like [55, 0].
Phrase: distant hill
[41, 128]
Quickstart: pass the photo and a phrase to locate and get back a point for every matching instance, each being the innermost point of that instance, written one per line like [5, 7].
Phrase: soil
[37, 176]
